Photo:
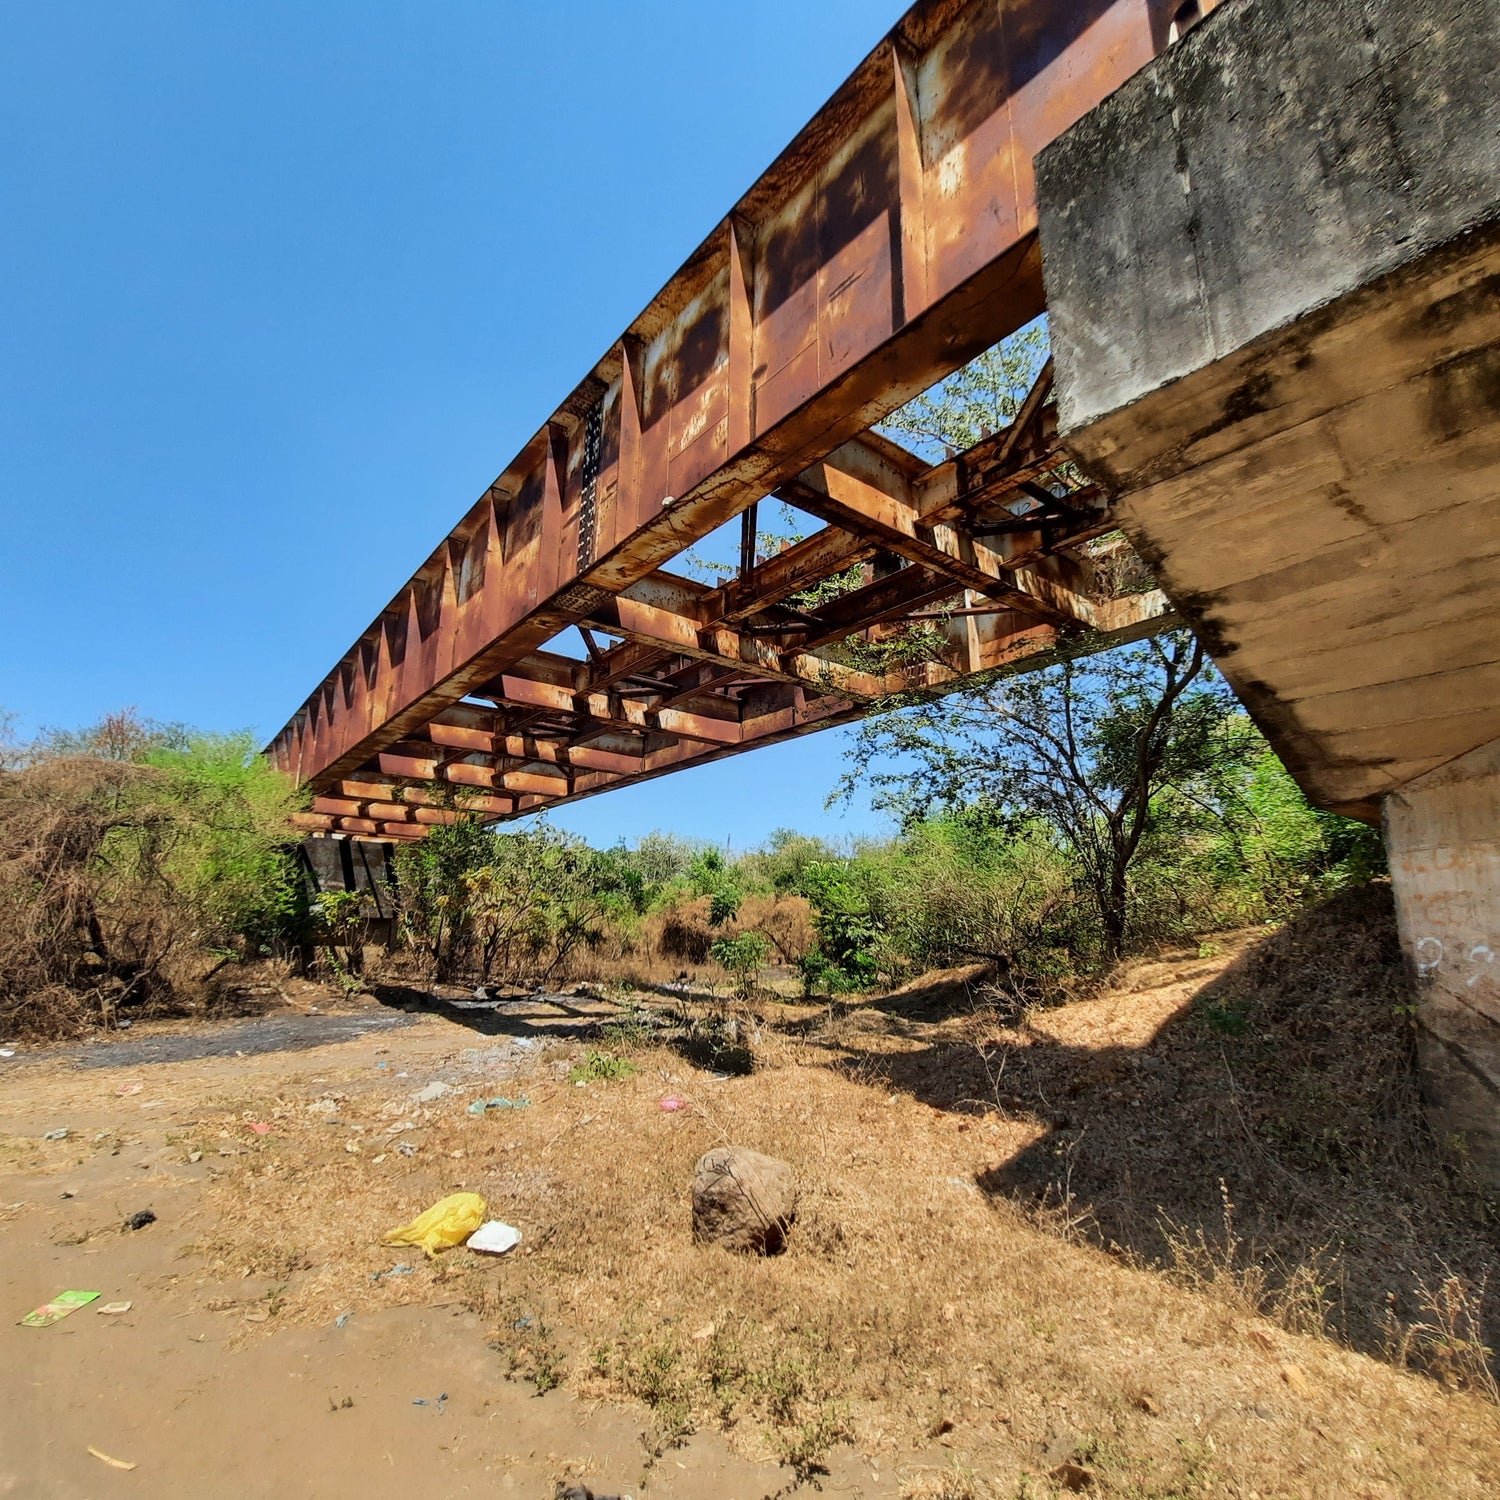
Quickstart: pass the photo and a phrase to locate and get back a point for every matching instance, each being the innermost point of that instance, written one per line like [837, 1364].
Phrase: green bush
[742, 957]
[512, 904]
[229, 850]
[849, 934]
[600, 1067]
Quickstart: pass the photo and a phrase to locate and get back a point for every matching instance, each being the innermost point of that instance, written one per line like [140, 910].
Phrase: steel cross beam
[890, 243]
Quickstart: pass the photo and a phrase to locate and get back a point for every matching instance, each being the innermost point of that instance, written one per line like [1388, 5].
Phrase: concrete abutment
[1273, 270]
[1443, 834]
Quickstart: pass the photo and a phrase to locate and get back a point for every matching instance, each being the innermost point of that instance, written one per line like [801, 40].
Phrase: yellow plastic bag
[447, 1223]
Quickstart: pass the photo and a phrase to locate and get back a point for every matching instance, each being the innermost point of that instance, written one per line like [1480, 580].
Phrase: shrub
[598, 1067]
[125, 882]
[848, 932]
[742, 958]
[510, 904]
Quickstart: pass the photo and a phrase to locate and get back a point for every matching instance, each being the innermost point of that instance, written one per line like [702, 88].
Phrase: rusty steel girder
[890, 243]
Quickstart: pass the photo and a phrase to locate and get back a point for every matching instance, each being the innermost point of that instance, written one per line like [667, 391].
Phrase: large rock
[743, 1200]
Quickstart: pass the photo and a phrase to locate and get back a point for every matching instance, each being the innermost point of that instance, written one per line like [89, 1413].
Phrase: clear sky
[284, 286]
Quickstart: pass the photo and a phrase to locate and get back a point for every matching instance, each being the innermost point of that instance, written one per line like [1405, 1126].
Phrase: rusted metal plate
[890, 243]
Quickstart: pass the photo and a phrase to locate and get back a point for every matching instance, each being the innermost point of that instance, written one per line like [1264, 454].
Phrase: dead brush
[956, 1482]
[108, 892]
[1225, 1268]
[1447, 1341]
[69, 954]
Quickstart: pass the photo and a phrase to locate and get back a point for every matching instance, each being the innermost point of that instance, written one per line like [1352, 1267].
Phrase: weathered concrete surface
[1275, 284]
[1337, 544]
[1286, 152]
[1443, 832]
[1273, 265]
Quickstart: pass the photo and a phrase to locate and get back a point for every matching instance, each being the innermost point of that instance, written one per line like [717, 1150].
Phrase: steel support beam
[890, 243]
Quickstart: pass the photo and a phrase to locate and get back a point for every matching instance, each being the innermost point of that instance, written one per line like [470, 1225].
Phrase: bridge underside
[925, 577]
[892, 242]
[1324, 504]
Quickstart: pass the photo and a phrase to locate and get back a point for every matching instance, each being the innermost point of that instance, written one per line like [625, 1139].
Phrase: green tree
[779, 863]
[711, 875]
[742, 957]
[1096, 747]
[431, 891]
[1291, 850]
[661, 857]
[541, 893]
[975, 401]
[849, 932]
[229, 849]
[514, 903]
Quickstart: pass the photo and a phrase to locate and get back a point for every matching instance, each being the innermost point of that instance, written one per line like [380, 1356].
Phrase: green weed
[598, 1067]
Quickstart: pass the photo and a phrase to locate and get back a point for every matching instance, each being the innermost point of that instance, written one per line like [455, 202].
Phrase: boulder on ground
[743, 1200]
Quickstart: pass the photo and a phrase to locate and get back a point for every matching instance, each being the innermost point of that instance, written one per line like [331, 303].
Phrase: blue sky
[284, 286]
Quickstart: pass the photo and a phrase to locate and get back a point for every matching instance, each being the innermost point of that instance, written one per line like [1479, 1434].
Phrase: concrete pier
[1443, 833]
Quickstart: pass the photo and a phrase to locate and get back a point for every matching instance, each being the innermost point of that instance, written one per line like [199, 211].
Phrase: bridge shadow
[1270, 1127]
[538, 1013]
[709, 1042]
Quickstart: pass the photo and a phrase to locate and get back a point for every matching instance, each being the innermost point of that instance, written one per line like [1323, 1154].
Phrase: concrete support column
[1443, 834]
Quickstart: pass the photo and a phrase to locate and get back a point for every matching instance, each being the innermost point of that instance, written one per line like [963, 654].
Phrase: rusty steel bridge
[893, 241]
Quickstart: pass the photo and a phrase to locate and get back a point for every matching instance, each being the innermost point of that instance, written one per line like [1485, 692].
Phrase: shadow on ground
[537, 1014]
[710, 1040]
[1272, 1125]
[280, 1032]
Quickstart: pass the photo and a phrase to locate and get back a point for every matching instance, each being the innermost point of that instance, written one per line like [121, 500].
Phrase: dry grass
[674, 943]
[926, 1308]
[1254, 1128]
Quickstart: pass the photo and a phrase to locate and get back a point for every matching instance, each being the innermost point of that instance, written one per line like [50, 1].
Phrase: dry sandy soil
[929, 1331]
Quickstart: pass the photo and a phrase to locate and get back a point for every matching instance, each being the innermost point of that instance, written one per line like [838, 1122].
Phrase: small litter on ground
[671, 1103]
[140, 1219]
[423, 1401]
[114, 1463]
[433, 1092]
[60, 1134]
[116, 1307]
[57, 1309]
[401, 1268]
[259, 1128]
[342, 1318]
[494, 1238]
[479, 1106]
[450, 1221]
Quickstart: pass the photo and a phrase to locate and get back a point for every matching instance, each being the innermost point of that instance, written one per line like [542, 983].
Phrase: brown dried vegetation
[72, 951]
[937, 1304]
[118, 888]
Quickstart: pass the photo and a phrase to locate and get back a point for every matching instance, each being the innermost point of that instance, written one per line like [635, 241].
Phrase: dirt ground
[929, 1332]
